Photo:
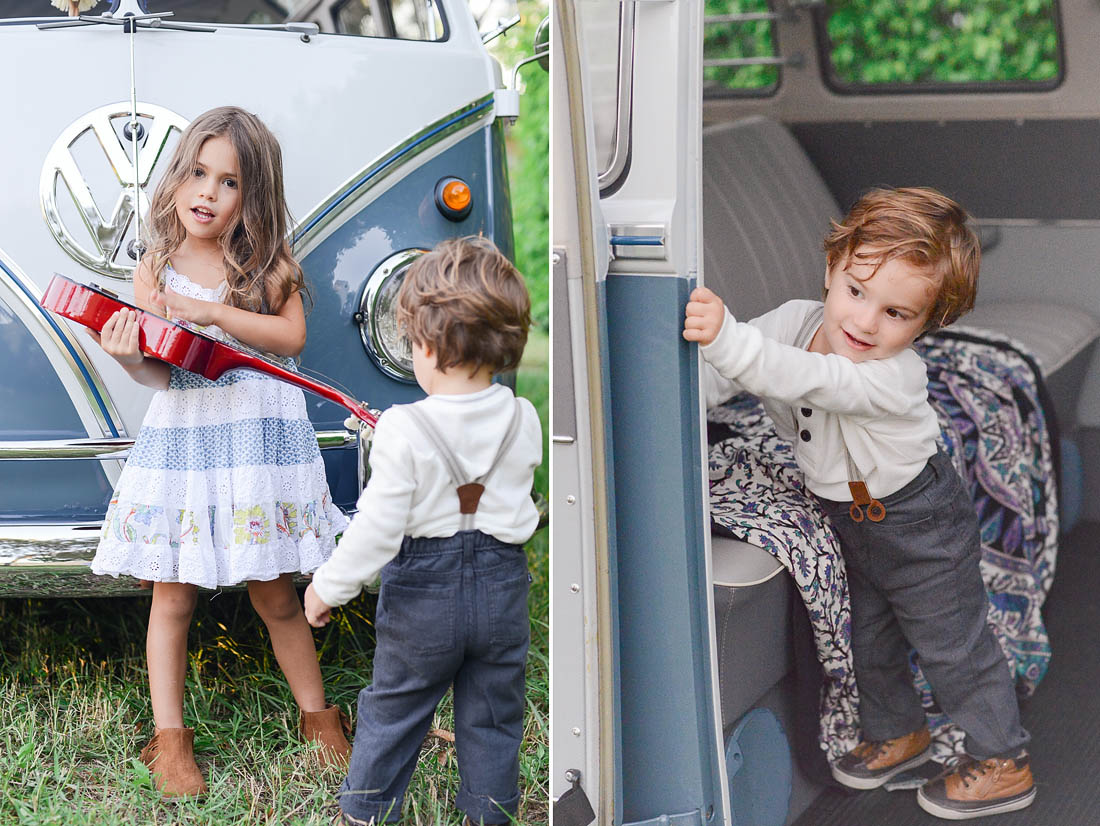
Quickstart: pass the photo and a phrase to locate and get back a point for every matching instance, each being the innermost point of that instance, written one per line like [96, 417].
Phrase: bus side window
[402, 19]
[944, 46]
[739, 48]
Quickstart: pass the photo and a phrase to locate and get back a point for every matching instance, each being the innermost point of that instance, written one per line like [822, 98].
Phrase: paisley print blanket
[989, 397]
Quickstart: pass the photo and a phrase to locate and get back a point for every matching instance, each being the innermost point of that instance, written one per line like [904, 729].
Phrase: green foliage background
[752, 39]
[900, 41]
[528, 142]
[943, 41]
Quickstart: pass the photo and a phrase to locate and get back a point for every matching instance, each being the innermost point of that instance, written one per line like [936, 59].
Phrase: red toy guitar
[190, 349]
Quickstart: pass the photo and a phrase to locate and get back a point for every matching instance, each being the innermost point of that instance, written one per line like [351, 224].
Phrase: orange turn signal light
[453, 197]
[456, 195]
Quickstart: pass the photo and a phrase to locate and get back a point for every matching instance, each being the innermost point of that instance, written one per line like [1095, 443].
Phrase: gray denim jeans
[451, 611]
[914, 582]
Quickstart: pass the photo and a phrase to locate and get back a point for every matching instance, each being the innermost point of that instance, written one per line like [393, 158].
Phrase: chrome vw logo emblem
[61, 172]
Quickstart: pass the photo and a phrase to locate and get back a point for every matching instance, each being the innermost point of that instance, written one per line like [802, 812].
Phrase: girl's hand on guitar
[182, 307]
[119, 338]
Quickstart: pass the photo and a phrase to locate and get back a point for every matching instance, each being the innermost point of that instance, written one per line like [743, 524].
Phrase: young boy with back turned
[843, 376]
[444, 518]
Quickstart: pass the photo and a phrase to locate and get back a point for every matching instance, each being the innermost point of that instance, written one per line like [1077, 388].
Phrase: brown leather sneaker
[976, 788]
[873, 762]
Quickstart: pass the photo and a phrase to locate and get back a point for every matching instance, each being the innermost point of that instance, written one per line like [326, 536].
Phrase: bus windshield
[397, 19]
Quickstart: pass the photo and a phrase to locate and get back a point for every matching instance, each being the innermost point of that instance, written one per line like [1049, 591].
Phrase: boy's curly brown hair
[467, 302]
[922, 227]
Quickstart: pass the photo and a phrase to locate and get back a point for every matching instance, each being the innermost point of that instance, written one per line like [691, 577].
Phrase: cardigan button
[807, 412]
[804, 435]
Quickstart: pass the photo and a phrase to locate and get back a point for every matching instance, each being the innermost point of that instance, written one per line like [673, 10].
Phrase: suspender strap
[808, 328]
[856, 484]
[506, 443]
[441, 447]
[469, 491]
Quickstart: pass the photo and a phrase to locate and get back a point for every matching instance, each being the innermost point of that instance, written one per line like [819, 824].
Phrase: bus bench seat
[749, 582]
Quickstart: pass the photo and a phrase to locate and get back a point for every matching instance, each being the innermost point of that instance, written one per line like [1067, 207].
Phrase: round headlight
[377, 317]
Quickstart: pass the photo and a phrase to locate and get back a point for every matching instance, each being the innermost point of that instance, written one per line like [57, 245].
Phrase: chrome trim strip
[620, 150]
[67, 449]
[96, 395]
[378, 170]
[55, 561]
[119, 448]
[328, 439]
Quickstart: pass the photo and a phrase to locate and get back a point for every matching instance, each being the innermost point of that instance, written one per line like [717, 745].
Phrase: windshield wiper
[129, 21]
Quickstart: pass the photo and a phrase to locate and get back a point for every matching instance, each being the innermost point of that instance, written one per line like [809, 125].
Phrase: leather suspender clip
[876, 511]
[861, 497]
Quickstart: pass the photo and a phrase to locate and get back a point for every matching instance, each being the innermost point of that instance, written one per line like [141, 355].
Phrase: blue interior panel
[664, 663]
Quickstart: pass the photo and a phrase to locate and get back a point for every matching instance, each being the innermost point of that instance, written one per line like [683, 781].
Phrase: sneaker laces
[972, 769]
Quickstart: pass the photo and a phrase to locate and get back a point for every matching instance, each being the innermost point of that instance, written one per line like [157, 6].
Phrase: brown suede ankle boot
[171, 757]
[330, 728]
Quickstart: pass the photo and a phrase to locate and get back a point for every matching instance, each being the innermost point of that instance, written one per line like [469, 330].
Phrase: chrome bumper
[55, 561]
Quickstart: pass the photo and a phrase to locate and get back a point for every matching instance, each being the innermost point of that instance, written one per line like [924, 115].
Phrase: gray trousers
[914, 582]
[452, 611]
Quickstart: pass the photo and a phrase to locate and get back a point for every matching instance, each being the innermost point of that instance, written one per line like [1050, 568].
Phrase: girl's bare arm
[282, 333]
[119, 337]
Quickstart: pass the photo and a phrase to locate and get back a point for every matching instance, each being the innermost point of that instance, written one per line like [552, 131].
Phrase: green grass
[74, 707]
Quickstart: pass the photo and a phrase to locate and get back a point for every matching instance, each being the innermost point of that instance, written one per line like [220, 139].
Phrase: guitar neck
[321, 389]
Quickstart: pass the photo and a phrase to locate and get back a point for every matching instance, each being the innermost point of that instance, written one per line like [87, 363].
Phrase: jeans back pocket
[419, 617]
[509, 623]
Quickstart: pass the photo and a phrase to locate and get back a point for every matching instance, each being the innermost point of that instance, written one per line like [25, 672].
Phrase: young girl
[225, 483]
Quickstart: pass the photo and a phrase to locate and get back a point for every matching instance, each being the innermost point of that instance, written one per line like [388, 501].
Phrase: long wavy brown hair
[259, 265]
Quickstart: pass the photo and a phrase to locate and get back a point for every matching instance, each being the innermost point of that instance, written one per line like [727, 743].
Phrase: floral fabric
[987, 394]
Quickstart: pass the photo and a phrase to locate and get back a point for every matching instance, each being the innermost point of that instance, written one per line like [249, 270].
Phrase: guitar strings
[314, 373]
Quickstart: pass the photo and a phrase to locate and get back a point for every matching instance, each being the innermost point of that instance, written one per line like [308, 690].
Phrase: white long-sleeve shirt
[820, 403]
[410, 492]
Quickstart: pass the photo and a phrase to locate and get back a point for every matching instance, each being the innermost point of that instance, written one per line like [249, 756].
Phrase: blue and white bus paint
[636, 726]
[368, 126]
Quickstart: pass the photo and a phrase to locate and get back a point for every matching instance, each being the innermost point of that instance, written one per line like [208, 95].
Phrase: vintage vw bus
[711, 143]
[377, 106]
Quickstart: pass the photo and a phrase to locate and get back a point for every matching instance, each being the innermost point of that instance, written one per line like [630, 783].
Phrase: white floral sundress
[225, 482]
